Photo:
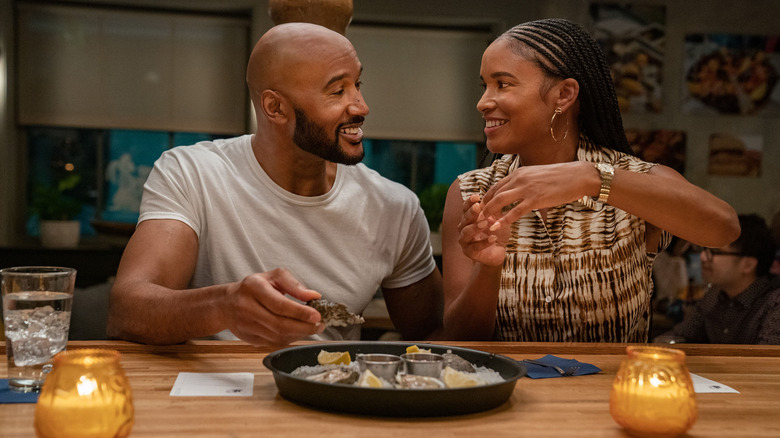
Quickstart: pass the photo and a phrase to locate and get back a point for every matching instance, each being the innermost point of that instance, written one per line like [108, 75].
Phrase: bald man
[235, 234]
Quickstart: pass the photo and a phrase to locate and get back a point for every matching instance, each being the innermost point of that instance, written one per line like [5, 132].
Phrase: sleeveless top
[585, 275]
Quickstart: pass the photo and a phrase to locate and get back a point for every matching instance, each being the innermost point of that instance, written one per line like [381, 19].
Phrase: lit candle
[653, 392]
[86, 395]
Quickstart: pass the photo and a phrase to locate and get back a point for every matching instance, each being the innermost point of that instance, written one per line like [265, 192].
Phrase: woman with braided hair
[555, 240]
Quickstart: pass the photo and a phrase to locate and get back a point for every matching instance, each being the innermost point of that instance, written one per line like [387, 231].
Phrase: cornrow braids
[563, 49]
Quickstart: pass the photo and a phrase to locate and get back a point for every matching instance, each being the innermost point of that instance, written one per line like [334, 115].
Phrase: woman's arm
[662, 197]
[471, 281]
[667, 200]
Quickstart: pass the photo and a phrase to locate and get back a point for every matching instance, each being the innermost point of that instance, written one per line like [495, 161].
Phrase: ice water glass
[37, 302]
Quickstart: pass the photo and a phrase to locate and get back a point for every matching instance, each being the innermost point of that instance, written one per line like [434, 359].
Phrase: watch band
[607, 172]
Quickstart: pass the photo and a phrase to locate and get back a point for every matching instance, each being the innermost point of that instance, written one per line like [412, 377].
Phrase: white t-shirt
[366, 232]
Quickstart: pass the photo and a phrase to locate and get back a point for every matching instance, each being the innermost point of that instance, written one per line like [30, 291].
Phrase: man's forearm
[152, 314]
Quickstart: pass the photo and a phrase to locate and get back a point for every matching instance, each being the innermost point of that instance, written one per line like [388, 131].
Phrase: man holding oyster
[231, 230]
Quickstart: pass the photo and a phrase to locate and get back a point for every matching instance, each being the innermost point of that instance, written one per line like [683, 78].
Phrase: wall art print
[632, 38]
[131, 156]
[731, 74]
[661, 146]
[735, 155]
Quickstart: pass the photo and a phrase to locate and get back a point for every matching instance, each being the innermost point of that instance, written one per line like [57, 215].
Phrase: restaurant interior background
[100, 88]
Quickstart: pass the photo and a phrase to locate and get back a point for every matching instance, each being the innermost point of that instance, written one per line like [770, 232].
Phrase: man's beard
[314, 139]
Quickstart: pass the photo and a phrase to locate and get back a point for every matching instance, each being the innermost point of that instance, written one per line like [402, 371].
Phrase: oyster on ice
[411, 381]
[335, 314]
[458, 363]
[338, 375]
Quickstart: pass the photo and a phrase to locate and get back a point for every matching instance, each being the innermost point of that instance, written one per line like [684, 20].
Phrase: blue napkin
[8, 396]
[540, 372]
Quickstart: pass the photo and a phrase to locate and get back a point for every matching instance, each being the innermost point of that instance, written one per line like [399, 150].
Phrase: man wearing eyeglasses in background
[742, 302]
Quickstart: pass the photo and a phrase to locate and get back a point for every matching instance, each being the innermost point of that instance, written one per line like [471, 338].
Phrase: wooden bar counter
[559, 407]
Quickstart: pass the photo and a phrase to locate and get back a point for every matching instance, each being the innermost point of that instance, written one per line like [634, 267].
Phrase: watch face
[604, 167]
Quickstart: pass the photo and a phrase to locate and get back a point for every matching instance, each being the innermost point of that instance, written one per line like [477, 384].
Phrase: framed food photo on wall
[632, 37]
[661, 146]
[731, 74]
[735, 155]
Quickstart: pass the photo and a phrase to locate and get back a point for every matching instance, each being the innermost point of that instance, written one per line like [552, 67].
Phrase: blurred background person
[742, 303]
[775, 269]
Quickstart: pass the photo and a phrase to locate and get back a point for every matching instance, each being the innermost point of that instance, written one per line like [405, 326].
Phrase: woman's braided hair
[563, 49]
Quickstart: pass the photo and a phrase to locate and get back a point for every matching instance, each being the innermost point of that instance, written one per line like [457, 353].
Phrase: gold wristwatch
[607, 173]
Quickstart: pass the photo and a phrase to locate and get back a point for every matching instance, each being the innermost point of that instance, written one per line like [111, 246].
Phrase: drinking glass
[86, 395]
[37, 302]
[652, 394]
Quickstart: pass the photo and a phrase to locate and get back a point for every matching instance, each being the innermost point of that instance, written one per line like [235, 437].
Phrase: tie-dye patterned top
[584, 276]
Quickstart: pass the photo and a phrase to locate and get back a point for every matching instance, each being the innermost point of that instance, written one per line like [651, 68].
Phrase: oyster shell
[338, 375]
[411, 381]
[458, 363]
[335, 314]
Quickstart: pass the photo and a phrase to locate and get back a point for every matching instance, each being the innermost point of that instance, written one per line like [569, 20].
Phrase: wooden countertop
[577, 406]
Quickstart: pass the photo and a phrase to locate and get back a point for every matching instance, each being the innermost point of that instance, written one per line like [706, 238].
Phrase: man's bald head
[304, 80]
[287, 48]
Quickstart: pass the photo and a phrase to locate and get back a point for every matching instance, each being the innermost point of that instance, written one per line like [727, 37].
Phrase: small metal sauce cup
[384, 366]
[423, 364]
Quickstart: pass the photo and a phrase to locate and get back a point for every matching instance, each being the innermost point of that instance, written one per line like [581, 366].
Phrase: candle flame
[86, 386]
[655, 381]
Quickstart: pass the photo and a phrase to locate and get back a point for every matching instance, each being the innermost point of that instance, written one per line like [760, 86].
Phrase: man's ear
[567, 92]
[748, 265]
[274, 106]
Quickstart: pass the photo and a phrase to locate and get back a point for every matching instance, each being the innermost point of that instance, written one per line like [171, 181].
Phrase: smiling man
[230, 230]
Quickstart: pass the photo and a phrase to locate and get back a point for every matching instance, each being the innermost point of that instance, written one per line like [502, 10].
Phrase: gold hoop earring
[552, 122]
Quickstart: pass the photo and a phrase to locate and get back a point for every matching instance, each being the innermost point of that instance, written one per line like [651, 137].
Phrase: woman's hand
[538, 187]
[477, 240]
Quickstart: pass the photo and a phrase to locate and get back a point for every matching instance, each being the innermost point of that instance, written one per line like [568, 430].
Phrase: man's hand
[258, 312]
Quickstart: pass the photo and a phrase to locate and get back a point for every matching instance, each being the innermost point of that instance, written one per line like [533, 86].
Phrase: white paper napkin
[213, 384]
[703, 385]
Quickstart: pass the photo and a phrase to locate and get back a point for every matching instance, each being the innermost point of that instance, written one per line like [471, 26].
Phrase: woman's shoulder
[633, 163]
[498, 169]
[478, 181]
[589, 151]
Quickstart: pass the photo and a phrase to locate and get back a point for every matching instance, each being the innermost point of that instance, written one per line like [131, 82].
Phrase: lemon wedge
[369, 380]
[456, 379]
[416, 349]
[334, 358]
[759, 92]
